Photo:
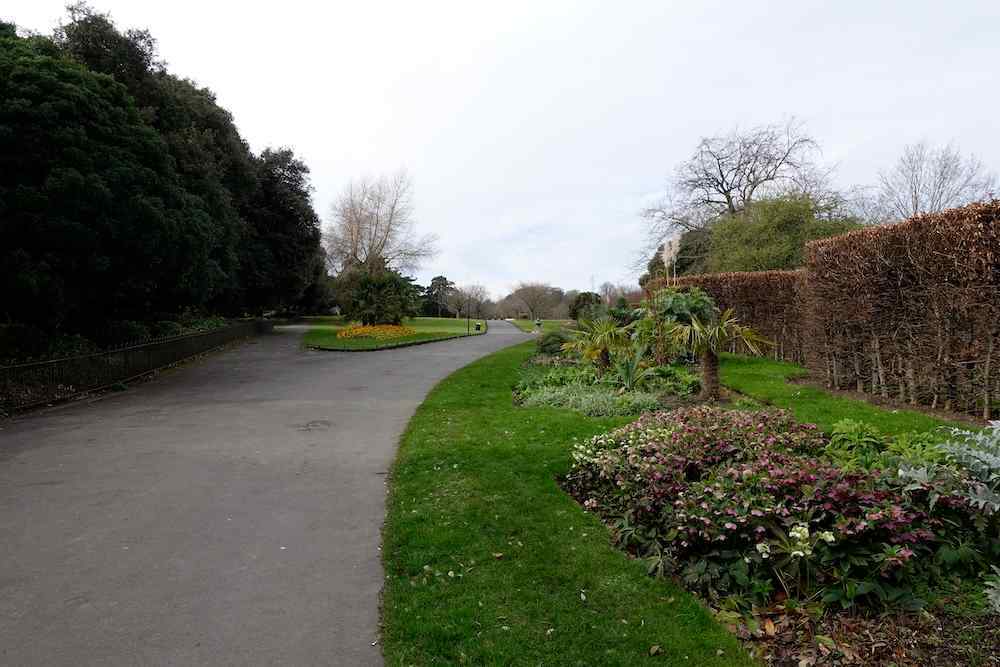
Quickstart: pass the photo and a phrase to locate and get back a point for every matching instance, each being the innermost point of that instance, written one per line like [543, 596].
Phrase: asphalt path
[227, 512]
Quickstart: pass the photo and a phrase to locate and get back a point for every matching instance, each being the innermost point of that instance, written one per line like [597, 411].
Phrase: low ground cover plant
[628, 387]
[753, 510]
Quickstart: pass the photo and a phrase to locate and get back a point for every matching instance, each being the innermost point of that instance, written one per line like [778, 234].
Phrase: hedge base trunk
[710, 376]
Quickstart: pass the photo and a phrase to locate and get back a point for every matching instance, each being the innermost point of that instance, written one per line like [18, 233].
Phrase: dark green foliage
[386, 297]
[165, 328]
[213, 162]
[435, 301]
[318, 297]
[280, 253]
[582, 303]
[655, 268]
[682, 305]
[123, 332]
[623, 313]
[20, 343]
[551, 342]
[94, 218]
[127, 193]
[770, 234]
[692, 255]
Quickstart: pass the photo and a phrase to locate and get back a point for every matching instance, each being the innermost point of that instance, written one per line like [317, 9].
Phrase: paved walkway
[227, 513]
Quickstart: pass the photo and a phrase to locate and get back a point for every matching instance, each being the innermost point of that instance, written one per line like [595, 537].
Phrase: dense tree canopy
[282, 248]
[770, 234]
[127, 193]
[583, 301]
[436, 296]
[94, 216]
[384, 297]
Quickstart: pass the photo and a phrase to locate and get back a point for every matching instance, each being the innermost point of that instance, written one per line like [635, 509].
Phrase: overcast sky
[535, 131]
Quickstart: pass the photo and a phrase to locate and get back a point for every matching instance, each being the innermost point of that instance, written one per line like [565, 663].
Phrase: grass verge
[767, 380]
[323, 333]
[528, 326]
[488, 562]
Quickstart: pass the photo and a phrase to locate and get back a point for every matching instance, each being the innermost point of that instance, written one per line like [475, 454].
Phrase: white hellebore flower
[764, 549]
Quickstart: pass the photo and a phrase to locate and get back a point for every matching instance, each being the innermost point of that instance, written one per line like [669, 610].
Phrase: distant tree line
[127, 193]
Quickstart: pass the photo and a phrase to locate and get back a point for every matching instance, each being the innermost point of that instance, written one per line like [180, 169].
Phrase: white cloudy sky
[534, 131]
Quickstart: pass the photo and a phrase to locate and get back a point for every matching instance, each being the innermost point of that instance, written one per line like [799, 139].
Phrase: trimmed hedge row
[909, 311]
[767, 301]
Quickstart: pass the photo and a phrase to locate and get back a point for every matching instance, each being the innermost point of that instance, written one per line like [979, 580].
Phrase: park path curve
[227, 513]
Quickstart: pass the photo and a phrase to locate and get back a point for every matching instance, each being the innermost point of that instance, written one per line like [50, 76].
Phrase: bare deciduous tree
[928, 179]
[373, 227]
[727, 172]
[468, 300]
[538, 298]
[609, 292]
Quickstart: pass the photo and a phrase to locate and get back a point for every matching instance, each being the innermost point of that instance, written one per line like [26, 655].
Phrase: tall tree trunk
[709, 375]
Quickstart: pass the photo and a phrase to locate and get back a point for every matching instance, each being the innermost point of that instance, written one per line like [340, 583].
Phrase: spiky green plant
[706, 339]
[596, 340]
[630, 371]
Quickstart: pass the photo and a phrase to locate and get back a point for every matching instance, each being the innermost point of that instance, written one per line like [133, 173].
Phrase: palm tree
[595, 340]
[707, 339]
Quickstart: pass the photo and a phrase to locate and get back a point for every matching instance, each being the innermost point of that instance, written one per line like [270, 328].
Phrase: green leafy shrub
[623, 313]
[745, 504]
[680, 305]
[676, 379]
[552, 342]
[123, 332]
[583, 304]
[977, 453]
[165, 328]
[855, 444]
[20, 343]
[379, 297]
[629, 371]
[194, 323]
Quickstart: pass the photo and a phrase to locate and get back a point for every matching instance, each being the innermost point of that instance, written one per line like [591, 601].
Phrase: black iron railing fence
[28, 385]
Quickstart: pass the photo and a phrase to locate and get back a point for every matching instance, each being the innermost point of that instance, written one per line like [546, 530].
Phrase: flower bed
[377, 331]
[746, 509]
[562, 383]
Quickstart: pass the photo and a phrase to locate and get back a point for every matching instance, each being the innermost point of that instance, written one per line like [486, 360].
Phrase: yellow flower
[377, 331]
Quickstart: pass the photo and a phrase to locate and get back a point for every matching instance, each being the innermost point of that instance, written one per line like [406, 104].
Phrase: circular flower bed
[376, 331]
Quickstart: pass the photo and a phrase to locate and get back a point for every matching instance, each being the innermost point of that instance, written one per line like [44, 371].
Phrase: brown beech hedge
[909, 311]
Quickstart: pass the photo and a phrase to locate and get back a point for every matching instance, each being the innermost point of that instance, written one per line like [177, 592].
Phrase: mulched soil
[901, 640]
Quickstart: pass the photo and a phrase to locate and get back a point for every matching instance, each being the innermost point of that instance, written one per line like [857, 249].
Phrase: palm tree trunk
[603, 361]
[709, 375]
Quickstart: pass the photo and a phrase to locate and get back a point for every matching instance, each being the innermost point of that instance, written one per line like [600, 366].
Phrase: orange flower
[377, 331]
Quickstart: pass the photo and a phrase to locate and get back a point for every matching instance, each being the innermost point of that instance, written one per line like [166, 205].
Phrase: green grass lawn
[323, 333]
[489, 562]
[767, 380]
[547, 325]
